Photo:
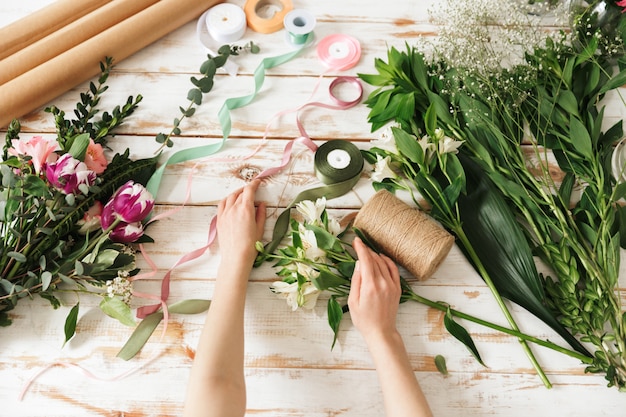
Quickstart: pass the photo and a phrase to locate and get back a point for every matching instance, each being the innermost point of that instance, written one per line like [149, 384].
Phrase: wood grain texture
[290, 368]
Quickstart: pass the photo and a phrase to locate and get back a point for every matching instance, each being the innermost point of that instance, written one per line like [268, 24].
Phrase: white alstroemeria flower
[308, 296]
[305, 297]
[311, 211]
[449, 145]
[386, 141]
[334, 228]
[427, 146]
[382, 169]
[311, 250]
[287, 291]
[307, 271]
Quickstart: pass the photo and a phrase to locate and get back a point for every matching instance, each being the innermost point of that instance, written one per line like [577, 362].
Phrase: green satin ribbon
[338, 181]
[224, 118]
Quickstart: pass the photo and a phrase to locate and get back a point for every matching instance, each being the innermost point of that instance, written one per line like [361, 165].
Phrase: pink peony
[94, 158]
[39, 149]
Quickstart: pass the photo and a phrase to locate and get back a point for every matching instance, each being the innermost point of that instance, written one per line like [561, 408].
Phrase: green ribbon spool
[337, 164]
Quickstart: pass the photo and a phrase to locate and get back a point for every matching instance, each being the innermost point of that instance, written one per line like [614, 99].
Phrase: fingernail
[357, 266]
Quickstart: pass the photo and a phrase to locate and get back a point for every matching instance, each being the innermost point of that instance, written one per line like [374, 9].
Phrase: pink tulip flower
[131, 202]
[69, 175]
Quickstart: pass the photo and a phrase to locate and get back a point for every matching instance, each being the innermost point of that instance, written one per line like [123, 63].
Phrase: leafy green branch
[202, 85]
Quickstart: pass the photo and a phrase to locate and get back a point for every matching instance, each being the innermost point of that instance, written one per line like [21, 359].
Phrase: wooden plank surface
[290, 368]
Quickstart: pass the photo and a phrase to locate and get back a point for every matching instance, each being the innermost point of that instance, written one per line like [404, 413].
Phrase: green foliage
[202, 86]
[556, 96]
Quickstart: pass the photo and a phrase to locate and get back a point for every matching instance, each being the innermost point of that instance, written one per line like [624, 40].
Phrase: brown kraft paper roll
[69, 36]
[404, 233]
[43, 22]
[54, 77]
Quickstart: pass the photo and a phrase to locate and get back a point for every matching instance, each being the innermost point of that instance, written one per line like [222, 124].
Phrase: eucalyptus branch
[202, 85]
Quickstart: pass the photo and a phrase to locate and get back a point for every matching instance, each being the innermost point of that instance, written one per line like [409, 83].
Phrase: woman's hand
[240, 224]
[374, 293]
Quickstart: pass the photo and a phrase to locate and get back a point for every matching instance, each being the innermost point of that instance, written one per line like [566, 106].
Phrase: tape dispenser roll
[266, 16]
[299, 24]
[226, 22]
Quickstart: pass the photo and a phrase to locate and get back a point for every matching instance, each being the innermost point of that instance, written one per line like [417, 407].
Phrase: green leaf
[117, 309]
[498, 241]
[408, 146]
[140, 336]
[191, 306]
[79, 146]
[46, 279]
[335, 314]
[325, 240]
[17, 256]
[615, 82]
[440, 363]
[580, 137]
[35, 186]
[70, 323]
[462, 335]
[326, 280]
[195, 96]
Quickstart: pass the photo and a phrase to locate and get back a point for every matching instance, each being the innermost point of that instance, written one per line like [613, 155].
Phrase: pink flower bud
[94, 157]
[131, 202]
[126, 232]
[69, 175]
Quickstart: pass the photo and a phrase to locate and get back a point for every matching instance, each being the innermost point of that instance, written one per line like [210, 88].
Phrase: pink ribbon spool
[339, 52]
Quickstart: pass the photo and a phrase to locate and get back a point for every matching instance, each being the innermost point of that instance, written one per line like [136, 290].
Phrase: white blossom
[449, 145]
[311, 250]
[312, 211]
[304, 297]
[386, 141]
[382, 169]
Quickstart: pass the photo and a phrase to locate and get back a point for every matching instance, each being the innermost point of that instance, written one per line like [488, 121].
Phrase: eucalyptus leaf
[140, 336]
[70, 323]
[440, 363]
[117, 309]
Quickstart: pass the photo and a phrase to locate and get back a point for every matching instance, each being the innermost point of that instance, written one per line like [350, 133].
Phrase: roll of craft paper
[82, 62]
[407, 235]
[43, 22]
[69, 36]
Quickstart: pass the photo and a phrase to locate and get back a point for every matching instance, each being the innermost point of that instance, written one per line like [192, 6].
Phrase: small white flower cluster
[488, 35]
[120, 286]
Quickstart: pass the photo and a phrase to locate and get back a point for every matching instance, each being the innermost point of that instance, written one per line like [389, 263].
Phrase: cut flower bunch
[68, 215]
[477, 147]
[318, 259]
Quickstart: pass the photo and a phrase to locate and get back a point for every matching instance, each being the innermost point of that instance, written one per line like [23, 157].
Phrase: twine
[405, 234]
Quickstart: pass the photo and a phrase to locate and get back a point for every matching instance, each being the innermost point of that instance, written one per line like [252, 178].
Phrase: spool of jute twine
[407, 235]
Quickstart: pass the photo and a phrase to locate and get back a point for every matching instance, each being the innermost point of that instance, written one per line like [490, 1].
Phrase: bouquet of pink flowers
[68, 215]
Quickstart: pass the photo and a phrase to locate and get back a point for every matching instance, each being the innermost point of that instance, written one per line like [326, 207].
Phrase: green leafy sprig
[202, 85]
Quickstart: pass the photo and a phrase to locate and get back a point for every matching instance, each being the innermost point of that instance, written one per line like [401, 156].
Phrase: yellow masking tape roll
[266, 16]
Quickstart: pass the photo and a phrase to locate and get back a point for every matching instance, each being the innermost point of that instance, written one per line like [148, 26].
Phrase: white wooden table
[290, 368]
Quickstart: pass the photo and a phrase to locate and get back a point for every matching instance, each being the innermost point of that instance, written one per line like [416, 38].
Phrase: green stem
[444, 307]
[507, 314]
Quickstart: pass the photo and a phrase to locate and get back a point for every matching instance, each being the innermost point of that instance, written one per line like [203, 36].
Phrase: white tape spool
[226, 22]
[229, 26]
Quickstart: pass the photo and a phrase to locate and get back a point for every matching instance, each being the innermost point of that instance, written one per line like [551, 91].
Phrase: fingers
[260, 220]
[355, 285]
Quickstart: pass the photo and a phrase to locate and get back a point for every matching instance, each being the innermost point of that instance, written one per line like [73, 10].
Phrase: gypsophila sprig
[203, 85]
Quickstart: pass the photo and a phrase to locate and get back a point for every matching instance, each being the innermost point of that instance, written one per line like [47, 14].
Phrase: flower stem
[500, 301]
[444, 307]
